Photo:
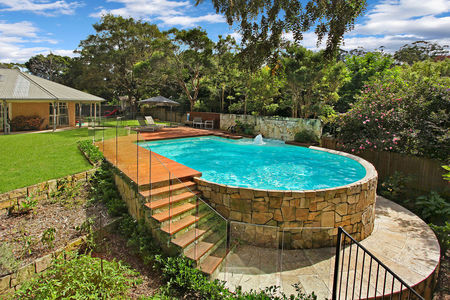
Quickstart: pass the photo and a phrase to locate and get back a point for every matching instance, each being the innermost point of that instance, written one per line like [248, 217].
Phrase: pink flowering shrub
[409, 114]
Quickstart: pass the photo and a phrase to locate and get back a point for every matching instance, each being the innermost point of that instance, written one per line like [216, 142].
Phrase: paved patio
[400, 239]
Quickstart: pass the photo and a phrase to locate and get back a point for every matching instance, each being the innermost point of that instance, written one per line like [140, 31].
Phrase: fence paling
[337, 291]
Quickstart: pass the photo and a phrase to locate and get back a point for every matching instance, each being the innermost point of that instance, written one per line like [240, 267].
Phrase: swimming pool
[272, 166]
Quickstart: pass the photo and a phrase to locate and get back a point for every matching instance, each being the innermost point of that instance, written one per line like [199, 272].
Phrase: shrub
[407, 114]
[306, 136]
[103, 189]
[433, 208]
[90, 150]
[394, 187]
[244, 128]
[81, 277]
[26, 122]
[443, 235]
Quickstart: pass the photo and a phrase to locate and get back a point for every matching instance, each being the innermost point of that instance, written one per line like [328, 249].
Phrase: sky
[31, 27]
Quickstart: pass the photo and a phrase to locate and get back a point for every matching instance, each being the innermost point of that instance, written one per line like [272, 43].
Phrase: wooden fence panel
[426, 173]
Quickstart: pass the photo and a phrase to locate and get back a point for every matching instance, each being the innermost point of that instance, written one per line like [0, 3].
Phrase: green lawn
[26, 159]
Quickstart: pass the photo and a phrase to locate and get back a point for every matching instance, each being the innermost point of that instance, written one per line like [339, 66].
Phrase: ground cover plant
[49, 224]
[80, 277]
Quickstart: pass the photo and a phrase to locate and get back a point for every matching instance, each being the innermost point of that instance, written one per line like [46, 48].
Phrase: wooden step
[174, 211]
[176, 226]
[186, 238]
[170, 200]
[197, 251]
[167, 189]
[210, 264]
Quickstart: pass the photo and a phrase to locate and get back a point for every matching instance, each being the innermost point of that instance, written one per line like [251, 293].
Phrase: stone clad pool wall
[319, 212]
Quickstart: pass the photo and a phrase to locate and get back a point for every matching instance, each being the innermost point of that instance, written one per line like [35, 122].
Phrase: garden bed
[47, 224]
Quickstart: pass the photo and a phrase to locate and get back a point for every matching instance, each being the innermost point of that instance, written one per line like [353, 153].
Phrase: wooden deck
[145, 168]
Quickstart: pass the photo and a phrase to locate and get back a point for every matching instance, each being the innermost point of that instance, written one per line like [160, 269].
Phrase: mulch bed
[442, 291]
[23, 232]
[113, 246]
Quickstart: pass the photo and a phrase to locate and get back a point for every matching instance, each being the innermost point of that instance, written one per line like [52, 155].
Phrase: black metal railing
[358, 274]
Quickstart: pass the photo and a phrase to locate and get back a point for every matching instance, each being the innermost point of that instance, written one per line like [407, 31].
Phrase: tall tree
[112, 53]
[312, 80]
[262, 23]
[362, 68]
[420, 51]
[193, 60]
[52, 67]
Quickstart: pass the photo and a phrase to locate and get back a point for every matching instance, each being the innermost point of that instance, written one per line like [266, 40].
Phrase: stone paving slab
[400, 239]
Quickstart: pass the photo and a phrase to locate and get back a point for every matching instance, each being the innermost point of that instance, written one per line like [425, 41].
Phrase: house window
[62, 114]
[2, 114]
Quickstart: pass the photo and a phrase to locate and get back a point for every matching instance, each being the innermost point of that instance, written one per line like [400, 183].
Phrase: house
[57, 105]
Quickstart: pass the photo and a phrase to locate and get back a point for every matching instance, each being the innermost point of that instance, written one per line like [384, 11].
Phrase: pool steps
[190, 227]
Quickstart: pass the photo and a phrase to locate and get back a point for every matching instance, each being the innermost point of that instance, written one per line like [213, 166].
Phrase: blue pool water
[274, 165]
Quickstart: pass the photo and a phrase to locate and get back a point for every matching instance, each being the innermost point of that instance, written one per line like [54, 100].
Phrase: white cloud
[392, 24]
[14, 38]
[187, 21]
[237, 36]
[22, 29]
[170, 12]
[45, 7]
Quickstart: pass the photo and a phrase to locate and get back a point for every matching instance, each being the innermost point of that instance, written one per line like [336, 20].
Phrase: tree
[262, 23]
[112, 53]
[419, 51]
[312, 81]
[52, 67]
[11, 66]
[192, 60]
[362, 68]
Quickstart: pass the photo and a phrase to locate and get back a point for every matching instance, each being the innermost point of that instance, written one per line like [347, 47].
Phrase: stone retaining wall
[12, 282]
[318, 212]
[274, 128]
[41, 190]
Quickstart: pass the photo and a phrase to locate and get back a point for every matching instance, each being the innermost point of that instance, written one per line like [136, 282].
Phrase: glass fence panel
[254, 258]
[307, 260]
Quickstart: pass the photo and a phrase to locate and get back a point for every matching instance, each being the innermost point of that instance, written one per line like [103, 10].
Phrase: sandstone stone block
[313, 206]
[23, 274]
[301, 214]
[224, 211]
[277, 216]
[312, 215]
[22, 192]
[7, 203]
[288, 213]
[261, 218]
[260, 206]
[259, 194]
[43, 263]
[342, 209]
[321, 205]
[352, 199]
[327, 219]
[246, 193]
[275, 202]
[5, 283]
[4, 197]
[259, 199]
[285, 203]
[235, 196]
[235, 216]
[241, 205]
[247, 218]
[275, 194]
[311, 194]
[305, 202]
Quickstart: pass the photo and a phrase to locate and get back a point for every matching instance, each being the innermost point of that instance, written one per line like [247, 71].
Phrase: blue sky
[30, 27]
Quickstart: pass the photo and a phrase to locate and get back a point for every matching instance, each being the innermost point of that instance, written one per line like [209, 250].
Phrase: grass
[27, 159]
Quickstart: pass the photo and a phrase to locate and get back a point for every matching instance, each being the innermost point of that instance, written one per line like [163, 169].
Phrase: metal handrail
[341, 232]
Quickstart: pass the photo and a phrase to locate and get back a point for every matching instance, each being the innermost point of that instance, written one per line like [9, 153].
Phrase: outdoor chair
[144, 127]
[209, 124]
[151, 122]
[197, 122]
